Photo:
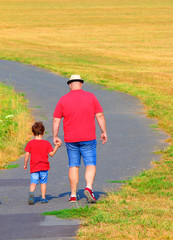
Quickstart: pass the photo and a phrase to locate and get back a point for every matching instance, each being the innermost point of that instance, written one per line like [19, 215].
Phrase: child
[37, 150]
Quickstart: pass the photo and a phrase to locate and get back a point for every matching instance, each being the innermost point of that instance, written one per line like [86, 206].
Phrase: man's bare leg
[74, 179]
[90, 175]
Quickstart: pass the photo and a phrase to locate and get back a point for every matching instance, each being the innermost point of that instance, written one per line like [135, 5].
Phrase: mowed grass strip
[15, 124]
[122, 45]
[142, 209]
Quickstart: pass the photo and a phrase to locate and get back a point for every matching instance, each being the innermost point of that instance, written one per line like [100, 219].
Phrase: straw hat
[75, 78]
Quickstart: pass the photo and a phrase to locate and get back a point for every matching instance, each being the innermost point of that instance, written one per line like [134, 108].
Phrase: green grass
[15, 120]
[116, 181]
[11, 166]
[37, 106]
[75, 213]
[119, 181]
[7, 114]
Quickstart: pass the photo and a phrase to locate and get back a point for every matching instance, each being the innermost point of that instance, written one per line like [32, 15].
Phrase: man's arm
[102, 124]
[56, 125]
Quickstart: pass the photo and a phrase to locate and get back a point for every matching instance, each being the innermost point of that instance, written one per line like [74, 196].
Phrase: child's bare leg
[31, 194]
[32, 187]
[43, 190]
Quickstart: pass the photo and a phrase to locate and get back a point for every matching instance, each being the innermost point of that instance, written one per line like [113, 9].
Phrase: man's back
[78, 108]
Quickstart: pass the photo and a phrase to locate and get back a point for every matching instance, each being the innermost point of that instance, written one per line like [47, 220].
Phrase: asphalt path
[129, 150]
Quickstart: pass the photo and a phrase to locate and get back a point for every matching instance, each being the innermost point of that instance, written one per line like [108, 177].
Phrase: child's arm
[55, 149]
[26, 160]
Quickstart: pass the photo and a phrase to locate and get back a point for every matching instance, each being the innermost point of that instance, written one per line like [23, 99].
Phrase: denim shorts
[39, 176]
[86, 149]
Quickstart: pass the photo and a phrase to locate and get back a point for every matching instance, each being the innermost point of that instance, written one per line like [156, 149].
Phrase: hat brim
[75, 80]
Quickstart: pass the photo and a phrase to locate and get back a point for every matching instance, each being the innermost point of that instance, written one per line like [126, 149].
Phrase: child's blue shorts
[86, 149]
[39, 176]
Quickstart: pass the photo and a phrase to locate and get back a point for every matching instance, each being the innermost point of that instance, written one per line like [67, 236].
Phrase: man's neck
[72, 89]
[76, 86]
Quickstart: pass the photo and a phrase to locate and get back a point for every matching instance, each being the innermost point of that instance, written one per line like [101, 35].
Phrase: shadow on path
[80, 194]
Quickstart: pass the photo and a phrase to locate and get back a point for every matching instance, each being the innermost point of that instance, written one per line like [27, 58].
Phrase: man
[78, 109]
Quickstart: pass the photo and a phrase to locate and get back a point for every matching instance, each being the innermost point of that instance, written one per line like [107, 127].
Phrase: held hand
[59, 144]
[57, 141]
[103, 138]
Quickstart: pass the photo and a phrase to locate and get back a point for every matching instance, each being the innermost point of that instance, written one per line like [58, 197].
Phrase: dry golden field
[124, 45]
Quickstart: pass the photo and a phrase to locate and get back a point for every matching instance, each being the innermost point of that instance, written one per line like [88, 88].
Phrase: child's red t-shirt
[39, 150]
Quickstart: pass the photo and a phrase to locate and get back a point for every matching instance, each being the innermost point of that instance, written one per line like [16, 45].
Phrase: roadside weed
[15, 122]
[11, 166]
[76, 213]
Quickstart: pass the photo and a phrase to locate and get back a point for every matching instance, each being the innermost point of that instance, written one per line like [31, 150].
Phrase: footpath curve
[129, 150]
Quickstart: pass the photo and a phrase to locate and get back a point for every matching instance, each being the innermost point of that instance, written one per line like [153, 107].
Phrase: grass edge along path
[142, 209]
[15, 124]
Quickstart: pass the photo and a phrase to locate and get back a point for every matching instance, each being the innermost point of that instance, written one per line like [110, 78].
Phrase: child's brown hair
[38, 128]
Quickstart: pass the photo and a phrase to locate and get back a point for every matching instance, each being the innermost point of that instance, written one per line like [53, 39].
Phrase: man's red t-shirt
[78, 108]
[39, 150]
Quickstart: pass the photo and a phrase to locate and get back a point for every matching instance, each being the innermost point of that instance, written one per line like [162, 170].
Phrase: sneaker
[31, 198]
[44, 200]
[90, 195]
[73, 199]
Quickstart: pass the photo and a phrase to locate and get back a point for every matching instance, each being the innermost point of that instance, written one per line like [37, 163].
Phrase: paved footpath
[129, 150]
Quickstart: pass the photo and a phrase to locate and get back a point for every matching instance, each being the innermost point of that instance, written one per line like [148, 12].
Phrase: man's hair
[38, 128]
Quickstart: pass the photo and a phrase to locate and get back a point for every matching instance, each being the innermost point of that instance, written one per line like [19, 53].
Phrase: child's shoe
[44, 200]
[31, 198]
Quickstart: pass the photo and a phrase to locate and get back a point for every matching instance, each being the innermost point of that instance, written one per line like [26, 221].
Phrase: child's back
[38, 151]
